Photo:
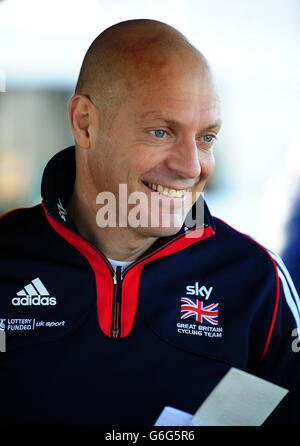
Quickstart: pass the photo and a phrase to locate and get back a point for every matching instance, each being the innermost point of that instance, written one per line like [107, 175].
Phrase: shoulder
[20, 222]
[264, 263]
[15, 215]
[237, 244]
[265, 267]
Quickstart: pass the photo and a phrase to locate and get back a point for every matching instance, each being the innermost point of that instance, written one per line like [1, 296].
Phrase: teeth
[166, 191]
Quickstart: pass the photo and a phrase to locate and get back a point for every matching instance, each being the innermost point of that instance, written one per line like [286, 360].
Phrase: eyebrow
[216, 125]
[171, 122]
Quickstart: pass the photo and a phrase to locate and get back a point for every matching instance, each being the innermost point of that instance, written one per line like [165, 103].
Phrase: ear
[80, 115]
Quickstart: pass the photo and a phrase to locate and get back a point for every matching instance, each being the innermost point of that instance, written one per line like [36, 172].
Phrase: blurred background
[253, 48]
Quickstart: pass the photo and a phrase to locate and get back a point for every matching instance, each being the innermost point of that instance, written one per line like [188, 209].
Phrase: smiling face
[160, 142]
[145, 115]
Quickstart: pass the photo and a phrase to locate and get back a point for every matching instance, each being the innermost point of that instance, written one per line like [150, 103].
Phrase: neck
[118, 243]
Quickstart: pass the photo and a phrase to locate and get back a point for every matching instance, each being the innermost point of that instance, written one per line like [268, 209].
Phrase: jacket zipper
[118, 275]
[116, 308]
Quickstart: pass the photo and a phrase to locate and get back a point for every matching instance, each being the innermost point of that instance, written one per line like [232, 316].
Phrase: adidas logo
[33, 294]
[61, 210]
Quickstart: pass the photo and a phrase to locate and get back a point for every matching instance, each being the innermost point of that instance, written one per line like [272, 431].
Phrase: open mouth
[165, 190]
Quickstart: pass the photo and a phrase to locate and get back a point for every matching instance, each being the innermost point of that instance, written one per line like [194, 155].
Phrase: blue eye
[159, 133]
[209, 138]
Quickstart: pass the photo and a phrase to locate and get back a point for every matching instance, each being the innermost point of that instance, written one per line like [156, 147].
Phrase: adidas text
[38, 300]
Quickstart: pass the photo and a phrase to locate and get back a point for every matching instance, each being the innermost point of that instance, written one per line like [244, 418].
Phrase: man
[106, 324]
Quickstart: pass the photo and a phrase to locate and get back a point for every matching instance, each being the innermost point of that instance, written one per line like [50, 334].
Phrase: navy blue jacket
[86, 345]
[291, 249]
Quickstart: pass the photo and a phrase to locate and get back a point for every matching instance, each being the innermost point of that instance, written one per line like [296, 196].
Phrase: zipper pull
[118, 274]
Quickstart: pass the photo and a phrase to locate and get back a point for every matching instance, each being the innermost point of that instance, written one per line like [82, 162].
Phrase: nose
[184, 159]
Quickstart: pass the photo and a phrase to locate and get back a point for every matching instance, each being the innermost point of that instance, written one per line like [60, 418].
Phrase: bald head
[131, 52]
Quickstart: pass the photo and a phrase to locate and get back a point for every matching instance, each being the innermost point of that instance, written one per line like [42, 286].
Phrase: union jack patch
[195, 308]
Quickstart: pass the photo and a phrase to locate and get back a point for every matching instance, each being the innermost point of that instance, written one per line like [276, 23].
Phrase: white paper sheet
[174, 417]
[239, 399]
